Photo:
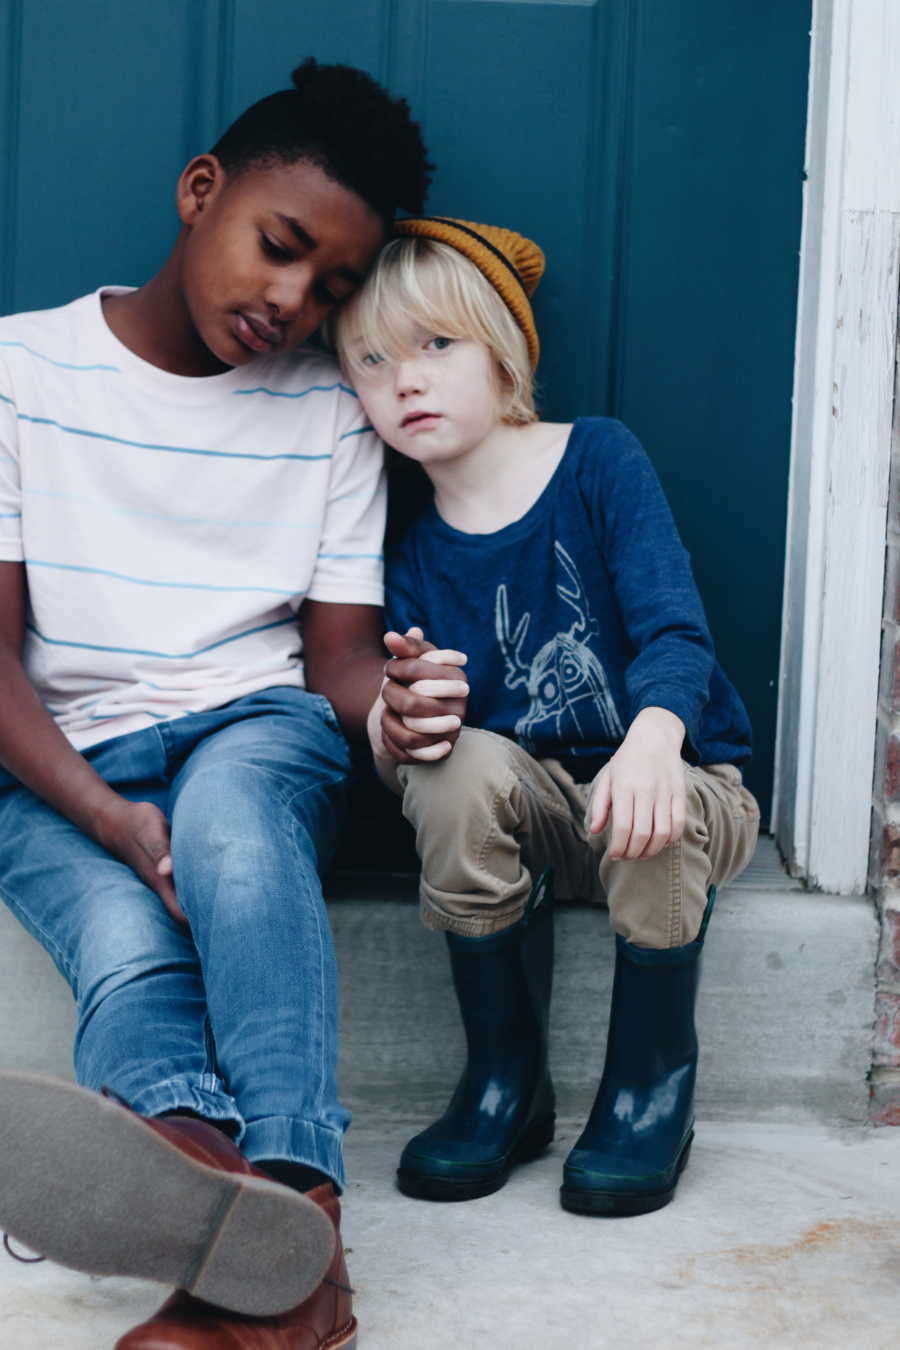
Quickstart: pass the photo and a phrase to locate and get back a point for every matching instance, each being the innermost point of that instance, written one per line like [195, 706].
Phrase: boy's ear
[200, 182]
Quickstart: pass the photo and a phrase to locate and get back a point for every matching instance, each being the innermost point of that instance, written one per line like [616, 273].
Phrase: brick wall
[884, 871]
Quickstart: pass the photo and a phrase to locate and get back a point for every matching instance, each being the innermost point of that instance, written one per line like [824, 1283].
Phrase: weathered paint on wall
[884, 872]
[843, 404]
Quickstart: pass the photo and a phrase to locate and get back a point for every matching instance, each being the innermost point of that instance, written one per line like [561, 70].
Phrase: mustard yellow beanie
[511, 263]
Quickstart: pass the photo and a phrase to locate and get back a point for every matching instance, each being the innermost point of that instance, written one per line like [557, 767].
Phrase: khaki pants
[489, 816]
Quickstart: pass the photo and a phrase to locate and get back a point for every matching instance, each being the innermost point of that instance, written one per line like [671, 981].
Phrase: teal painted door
[654, 149]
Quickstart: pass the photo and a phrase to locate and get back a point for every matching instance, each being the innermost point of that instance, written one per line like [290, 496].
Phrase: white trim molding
[841, 445]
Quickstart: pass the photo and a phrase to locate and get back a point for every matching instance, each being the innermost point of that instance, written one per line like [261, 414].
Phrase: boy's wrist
[385, 764]
[373, 730]
[662, 722]
[98, 811]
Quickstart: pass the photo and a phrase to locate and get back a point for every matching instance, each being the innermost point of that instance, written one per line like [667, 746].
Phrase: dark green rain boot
[503, 1110]
[638, 1137]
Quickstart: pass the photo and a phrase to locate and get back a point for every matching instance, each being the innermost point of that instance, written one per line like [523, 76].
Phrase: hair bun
[301, 73]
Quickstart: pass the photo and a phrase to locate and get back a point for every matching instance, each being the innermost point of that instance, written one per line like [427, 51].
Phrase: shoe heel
[619, 1204]
[262, 1278]
[536, 1139]
[686, 1153]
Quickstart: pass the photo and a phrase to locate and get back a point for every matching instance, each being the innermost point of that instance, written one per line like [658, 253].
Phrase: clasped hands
[640, 795]
[422, 705]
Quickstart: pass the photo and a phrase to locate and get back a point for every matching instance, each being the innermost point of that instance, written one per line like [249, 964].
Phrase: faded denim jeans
[236, 1019]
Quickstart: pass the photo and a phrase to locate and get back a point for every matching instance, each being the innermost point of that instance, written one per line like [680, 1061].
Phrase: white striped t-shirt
[170, 526]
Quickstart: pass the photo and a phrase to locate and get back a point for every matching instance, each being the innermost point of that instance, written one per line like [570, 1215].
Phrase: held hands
[642, 788]
[138, 834]
[422, 703]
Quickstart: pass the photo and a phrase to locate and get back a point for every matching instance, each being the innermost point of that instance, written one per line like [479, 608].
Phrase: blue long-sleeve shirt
[577, 615]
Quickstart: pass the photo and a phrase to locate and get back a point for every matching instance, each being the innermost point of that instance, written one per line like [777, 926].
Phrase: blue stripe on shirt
[149, 445]
[145, 581]
[135, 712]
[166, 656]
[300, 393]
[63, 365]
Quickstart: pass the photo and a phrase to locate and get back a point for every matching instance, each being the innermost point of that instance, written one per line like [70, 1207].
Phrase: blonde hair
[421, 281]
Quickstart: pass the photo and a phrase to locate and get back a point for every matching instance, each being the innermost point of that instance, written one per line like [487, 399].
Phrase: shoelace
[26, 1260]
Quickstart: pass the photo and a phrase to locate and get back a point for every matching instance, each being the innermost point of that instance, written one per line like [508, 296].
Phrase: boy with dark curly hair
[191, 517]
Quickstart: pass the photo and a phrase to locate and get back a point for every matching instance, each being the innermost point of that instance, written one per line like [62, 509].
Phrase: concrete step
[785, 1016]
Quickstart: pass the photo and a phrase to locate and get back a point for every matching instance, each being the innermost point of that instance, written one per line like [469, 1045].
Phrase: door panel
[654, 150]
[108, 105]
[531, 81]
[268, 40]
[706, 320]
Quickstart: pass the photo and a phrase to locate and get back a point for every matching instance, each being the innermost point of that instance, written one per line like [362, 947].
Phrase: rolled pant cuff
[208, 1098]
[439, 921]
[299, 1141]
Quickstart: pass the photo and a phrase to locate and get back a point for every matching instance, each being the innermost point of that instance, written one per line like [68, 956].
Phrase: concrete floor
[780, 1237]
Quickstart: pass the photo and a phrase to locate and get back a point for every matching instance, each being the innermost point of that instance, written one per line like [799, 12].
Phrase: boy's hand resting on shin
[642, 788]
[422, 704]
[137, 833]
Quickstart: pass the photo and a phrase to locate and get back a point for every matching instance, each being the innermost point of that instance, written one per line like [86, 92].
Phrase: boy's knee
[479, 766]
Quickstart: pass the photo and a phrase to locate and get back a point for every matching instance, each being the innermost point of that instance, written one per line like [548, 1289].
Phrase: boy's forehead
[394, 329]
[307, 202]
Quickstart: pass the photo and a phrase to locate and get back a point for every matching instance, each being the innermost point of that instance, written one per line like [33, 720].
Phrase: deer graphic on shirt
[566, 681]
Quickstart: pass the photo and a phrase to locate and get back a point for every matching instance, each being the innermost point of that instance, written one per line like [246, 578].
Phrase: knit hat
[510, 262]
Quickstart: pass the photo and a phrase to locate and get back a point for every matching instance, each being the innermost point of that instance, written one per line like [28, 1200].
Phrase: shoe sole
[420, 1186]
[88, 1184]
[349, 1341]
[619, 1205]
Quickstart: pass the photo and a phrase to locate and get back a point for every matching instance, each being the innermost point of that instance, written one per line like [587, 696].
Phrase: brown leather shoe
[324, 1321]
[98, 1188]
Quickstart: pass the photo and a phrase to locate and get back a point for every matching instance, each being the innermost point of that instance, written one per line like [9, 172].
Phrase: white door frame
[840, 445]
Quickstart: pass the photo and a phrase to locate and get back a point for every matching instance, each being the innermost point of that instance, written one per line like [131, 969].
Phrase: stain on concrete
[820, 1235]
[827, 1233]
[818, 1289]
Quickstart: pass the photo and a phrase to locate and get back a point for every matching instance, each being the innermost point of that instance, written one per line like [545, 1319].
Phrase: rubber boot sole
[421, 1186]
[90, 1185]
[619, 1205]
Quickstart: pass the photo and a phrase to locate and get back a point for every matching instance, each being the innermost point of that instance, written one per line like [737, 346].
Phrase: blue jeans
[236, 1019]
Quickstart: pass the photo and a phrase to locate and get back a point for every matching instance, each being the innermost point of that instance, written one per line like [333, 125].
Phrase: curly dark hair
[340, 119]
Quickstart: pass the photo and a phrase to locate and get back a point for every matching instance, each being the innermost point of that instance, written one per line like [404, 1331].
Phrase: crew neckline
[515, 528]
[184, 388]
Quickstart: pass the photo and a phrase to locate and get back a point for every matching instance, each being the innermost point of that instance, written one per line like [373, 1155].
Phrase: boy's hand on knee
[424, 697]
[641, 791]
[137, 833]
